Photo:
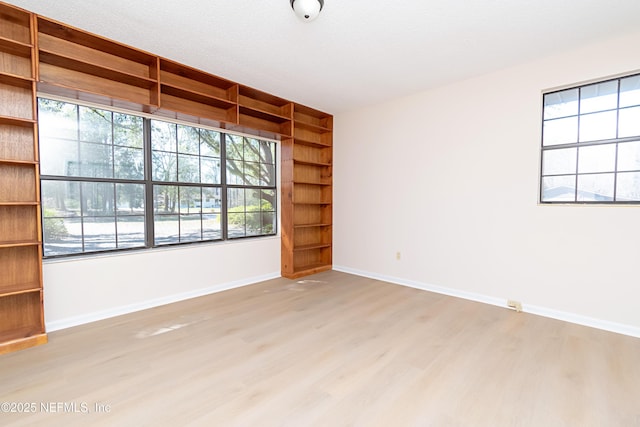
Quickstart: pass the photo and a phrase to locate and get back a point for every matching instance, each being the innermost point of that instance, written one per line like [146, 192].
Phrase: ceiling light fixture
[307, 10]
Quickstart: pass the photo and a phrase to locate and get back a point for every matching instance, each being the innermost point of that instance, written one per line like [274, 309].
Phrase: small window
[591, 143]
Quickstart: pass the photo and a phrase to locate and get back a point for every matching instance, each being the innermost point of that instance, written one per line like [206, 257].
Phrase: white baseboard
[130, 308]
[619, 328]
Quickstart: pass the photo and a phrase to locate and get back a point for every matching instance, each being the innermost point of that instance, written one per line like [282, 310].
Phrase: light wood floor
[334, 350]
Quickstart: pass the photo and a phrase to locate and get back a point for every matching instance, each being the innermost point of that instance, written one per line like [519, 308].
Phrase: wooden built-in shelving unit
[307, 185]
[21, 309]
[38, 54]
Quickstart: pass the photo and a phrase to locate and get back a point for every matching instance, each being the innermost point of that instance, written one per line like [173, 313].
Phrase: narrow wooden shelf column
[308, 187]
[21, 305]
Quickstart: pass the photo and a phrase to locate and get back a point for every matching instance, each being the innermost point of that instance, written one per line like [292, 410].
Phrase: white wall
[449, 177]
[82, 290]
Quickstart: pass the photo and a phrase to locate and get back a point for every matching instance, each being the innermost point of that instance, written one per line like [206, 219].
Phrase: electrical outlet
[398, 256]
[516, 305]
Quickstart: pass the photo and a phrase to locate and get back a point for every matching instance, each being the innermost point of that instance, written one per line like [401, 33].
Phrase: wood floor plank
[328, 350]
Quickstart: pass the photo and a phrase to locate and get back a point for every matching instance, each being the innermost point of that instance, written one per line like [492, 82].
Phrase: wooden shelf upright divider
[21, 305]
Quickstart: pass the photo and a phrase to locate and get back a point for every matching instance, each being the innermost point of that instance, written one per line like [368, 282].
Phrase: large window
[119, 181]
[591, 143]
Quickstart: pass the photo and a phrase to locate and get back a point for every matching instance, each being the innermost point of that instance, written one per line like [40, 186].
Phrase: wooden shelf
[312, 119]
[312, 142]
[15, 47]
[18, 162]
[311, 247]
[18, 243]
[70, 63]
[257, 120]
[20, 289]
[23, 343]
[17, 121]
[197, 82]
[264, 105]
[322, 184]
[300, 226]
[15, 24]
[310, 163]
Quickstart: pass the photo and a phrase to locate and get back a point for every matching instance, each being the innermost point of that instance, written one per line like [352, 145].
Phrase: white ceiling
[358, 52]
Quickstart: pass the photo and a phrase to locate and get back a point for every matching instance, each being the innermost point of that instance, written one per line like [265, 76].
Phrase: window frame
[149, 183]
[580, 195]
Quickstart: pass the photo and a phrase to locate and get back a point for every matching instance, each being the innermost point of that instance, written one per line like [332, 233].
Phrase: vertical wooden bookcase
[307, 196]
[21, 309]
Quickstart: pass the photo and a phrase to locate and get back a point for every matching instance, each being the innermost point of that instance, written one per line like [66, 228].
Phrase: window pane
[629, 156]
[235, 172]
[188, 140]
[209, 143]
[188, 168]
[211, 227]
[57, 119]
[165, 199]
[59, 157]
[127, 130]
[254, 223]
[630, 91]
[97, 199]
[236, 224]
[597, 158]
[268, 223]
[561, 104]
[598, 126]
[211, 200]
[165, 166]
[251, 150]
[210, 170]
[595, 188]
[167, 229]
[559, 188]
[129, 163]
[99, 233]
[190, 228]
[268, 200]
[268, 175]
[252, 173]
[96, 160]
[62, 225]
[131, 232]
[560, 131]
[190, 200]
[95, 125]
[234, 145]
[628, 187]
[599, 97]
[557, 162]
[629, 122]
[130, 199]
[163, 136]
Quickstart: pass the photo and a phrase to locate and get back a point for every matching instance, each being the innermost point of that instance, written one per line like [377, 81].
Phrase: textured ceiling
[358, 52]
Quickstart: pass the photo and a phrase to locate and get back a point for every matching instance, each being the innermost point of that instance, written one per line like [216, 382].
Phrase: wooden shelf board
[312, 203]
[306, 270]
[312, 225]
[18, 162]
[309, 163]
[17, 121]
[198, 97]
[310, 143]
[19, 203]
[16, 80]
[312, 127]
[19, 243]
[15, 47]
[323, 184]
[311, 247]
[263, 114]
[97, 70]
[19, 290]
[21, 343]
[181, 71]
